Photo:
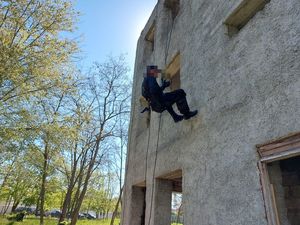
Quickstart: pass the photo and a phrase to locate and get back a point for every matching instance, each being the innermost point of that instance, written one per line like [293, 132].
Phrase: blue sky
[111, 27]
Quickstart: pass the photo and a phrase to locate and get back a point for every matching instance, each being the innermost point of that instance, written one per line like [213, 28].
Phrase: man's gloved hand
[165, 84]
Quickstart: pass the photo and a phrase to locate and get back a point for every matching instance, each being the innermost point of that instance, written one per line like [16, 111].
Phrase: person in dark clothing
[160, 101]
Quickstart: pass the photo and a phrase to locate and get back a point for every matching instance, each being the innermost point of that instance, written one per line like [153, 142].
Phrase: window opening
[175, 81]
[174, 6]
[280, 178]
[242, 14]
[138, 204]
[173, 72]
[150, 36]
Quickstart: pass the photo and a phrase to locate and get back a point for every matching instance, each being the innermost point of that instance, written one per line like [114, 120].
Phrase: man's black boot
[177, 118]
[174, 115]
[190, 114]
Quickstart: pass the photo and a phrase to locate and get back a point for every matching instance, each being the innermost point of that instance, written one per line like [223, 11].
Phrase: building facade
[237, 161]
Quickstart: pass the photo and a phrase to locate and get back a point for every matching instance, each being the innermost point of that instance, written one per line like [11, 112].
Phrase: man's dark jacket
[154, 93]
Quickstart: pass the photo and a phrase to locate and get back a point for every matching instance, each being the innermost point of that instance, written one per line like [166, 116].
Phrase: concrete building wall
[246, 88]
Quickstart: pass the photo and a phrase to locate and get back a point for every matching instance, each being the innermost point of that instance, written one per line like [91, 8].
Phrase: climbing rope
[159, 123]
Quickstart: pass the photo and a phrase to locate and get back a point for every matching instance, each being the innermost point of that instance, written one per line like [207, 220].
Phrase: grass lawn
[35, 221]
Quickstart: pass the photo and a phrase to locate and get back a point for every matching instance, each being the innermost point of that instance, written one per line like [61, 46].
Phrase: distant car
[38, 213]
[89, 216]
[28, 210]
[20, 209]
[54, 213]
[80, 216]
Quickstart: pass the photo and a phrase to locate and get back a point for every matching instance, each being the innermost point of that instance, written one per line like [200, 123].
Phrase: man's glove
[165, 84]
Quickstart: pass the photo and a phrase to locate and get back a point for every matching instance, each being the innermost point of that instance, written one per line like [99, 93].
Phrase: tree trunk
[79, 183]
[116, 208]
[7, 207]
[88, 208]
[178, 213]
[14, 206]
[43, 186]
[68, 198]
[84, 189]
[107, 212]
[37, 208]
[67, 202]
[79, 202]
[7, 204]
[76, 197]
[86, 181]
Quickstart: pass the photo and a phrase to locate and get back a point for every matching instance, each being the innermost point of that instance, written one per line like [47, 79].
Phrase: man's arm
[165, 84]
[154, 88]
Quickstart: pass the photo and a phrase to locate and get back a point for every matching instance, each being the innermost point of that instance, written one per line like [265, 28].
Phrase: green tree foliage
[35, 78]
[21, 181]
[32, 50]
[34, 58]
[100, 196]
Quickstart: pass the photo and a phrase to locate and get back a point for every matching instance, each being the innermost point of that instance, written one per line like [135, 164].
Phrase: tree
[99, 196]
[21, 181]
[120, 157]
[53, 129]
[104, 98]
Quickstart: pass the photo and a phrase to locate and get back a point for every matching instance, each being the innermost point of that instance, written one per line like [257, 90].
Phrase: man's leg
[179, 97]
[174, 115]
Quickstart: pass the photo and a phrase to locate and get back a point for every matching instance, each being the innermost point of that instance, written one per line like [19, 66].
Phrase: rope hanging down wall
[159, 122]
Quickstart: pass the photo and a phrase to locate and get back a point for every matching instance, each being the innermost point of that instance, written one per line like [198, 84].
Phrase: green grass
[48, 221]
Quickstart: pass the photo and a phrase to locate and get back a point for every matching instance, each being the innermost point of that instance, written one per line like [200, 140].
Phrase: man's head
[153, 71]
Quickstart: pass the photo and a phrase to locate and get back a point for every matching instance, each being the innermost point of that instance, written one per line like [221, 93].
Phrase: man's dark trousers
[178, 97]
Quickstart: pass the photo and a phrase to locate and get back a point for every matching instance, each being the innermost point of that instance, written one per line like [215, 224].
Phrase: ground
[35, 221]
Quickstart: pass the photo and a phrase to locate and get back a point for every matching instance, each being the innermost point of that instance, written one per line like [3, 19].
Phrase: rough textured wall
[246, 89]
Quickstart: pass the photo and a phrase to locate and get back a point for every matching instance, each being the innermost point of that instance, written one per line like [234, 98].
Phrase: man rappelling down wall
[160, 101]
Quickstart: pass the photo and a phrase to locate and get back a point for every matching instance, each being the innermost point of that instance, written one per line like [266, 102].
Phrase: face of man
[153, 72]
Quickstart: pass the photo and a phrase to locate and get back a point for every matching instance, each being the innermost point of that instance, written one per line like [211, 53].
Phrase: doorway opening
[168, 200]
[138, 204]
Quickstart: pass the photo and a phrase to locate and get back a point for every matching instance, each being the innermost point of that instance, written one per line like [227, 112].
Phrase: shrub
[20, 216]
